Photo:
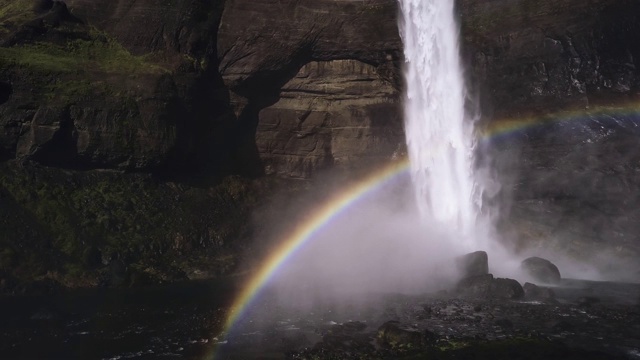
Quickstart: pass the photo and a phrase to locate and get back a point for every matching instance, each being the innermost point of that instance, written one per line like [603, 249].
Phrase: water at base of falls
[440, 135]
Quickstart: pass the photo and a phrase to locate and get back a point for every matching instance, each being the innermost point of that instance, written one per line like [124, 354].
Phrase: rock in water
[541, 270]
[473, 264]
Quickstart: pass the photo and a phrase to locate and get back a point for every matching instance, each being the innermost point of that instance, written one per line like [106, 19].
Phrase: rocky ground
[481, 317]
[584, 320]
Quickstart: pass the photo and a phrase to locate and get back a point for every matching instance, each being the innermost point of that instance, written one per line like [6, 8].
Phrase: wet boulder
[473, 264]
[476, 286]
[488, 287]
[506, 289]
[541, 270]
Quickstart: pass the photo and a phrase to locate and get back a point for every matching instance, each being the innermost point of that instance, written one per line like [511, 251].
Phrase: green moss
[68, 89]
[16, 11]
[101, 54]
[126, 216]
[199, 63]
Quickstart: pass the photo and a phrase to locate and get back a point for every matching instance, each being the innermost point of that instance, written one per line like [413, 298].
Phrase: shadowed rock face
[537, 57]
[339, 61]
[318, 83]
[525, 58]
[570, 177]
[335, 113]
[104, 84]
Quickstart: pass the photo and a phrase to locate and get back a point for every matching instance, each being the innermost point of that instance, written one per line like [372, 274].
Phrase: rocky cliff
[318, 89]
[558, 84]
[185, 92]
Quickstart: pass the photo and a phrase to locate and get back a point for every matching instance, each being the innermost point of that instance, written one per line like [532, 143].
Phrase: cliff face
[525, 59]
[291, 88]
[192, 83]
[104, 84]
[92, 88]
[564, 77]
[535, 58]
[318, 89]
[531, 65]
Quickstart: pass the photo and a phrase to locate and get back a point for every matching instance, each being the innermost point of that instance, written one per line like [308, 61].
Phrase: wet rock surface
[446, 327]
[186, 321]
[473, 264]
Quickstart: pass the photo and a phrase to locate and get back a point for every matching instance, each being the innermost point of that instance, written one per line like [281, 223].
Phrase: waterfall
[440, 135]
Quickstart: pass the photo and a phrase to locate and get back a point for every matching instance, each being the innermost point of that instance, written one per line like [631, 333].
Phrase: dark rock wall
[228, 87]
[540, 56]
[317, 84]
[569, 71]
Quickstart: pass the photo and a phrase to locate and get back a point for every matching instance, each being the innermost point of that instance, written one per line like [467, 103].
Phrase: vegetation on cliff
[81, 226]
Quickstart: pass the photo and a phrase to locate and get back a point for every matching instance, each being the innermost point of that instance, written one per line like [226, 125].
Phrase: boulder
[476, 286]
[534, 292]
[506, 289]
[485, 286]
[541, 270]
[473, 264]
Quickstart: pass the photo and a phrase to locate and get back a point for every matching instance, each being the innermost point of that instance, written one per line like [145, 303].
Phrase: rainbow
[507, 126]
[339, 203]
[310, 226]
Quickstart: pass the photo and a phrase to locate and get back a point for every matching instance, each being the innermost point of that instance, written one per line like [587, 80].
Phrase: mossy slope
[78, 226]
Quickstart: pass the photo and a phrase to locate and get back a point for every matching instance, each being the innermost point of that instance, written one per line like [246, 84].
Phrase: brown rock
[322, 89]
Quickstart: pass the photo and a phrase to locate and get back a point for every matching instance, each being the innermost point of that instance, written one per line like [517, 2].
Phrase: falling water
[439, 133]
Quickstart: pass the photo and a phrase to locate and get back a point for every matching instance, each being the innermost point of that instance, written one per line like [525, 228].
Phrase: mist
[464, 195]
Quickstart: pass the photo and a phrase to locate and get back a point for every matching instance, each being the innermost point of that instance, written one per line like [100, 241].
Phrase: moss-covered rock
[77, 93]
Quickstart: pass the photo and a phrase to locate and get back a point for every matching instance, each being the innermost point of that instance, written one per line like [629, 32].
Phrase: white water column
[440, 135]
